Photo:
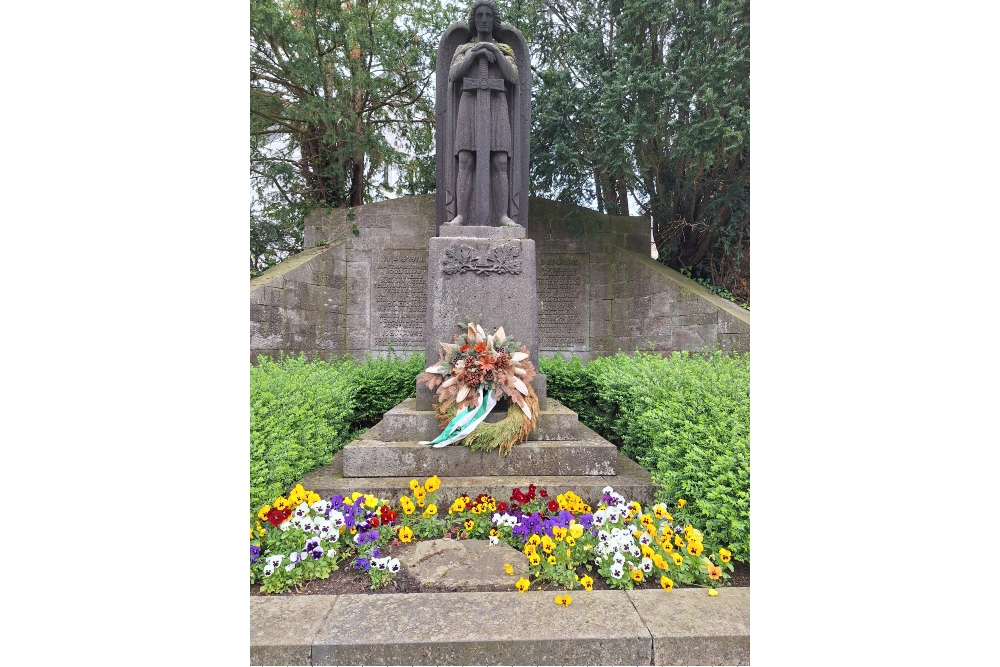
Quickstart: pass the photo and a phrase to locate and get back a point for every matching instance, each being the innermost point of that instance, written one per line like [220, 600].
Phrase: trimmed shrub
[302, 413]
[299, 415]
[686, 419]
[380, 384]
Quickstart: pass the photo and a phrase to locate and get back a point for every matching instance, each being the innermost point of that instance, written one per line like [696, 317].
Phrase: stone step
[406, 423]
[372, 456]
[679, 627]
[630, 480]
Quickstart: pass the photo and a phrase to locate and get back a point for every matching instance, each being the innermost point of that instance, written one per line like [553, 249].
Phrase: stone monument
[481, 268]
[481, 265]
[483, 115]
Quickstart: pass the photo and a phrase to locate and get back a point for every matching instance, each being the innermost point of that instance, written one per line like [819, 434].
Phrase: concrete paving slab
[282, 629]
[462, 565]
[689, 627]
[598, 628]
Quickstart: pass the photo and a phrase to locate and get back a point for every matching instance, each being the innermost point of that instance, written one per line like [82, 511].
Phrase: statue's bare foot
[507, 222]
[456, 221]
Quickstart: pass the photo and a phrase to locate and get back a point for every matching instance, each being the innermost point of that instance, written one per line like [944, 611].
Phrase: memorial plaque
[398, 299]
[563, 314]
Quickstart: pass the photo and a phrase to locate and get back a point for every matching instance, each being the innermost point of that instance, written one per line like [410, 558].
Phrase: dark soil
[348, 580]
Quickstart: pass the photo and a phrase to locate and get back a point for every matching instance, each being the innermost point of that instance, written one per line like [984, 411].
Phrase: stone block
[484, 279]
[282, 629]
[734, 342]
[482, 232]
[374, 456]
[406, 232]
[460, 629]
[731, 324]
[691, 628]
[684, 339]
[405, 422]
[447, 565]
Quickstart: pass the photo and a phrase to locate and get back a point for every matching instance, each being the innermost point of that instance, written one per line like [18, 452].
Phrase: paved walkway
[647, 627]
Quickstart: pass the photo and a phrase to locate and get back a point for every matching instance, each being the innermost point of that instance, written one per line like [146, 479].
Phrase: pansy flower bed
[304, 537]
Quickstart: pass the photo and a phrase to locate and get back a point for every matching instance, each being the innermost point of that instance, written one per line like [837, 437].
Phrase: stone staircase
[561, 454]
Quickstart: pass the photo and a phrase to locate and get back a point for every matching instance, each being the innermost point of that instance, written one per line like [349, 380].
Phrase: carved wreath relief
[462, 258]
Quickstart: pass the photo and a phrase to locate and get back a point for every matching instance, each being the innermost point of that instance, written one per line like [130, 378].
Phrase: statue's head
[476, 14]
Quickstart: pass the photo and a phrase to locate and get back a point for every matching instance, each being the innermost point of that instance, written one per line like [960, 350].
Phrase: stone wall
[598, 289]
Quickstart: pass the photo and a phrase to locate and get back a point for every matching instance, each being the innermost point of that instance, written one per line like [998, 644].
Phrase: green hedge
[302, 413]
[685, 418]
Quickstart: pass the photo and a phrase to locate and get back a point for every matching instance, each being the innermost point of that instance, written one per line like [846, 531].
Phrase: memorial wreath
[473, 374]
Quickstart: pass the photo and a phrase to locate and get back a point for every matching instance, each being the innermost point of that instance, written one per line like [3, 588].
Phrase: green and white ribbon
[465, 422]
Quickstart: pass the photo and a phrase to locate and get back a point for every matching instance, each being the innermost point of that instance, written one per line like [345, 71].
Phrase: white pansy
[321, 506]
[394, 565]
[323, 527]
[268, 570]
[285, 526]
[646, 565]
[494, 540]
[619, 558]
[275, 560]
[646, 539]
[289, 567]
[607, 489]
[337, 518]
[295, 557]
[302, 509]
[616, 571]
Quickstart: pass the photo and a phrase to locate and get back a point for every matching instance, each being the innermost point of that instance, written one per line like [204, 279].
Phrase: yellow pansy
[529, 549]
[646, 551]
[564, 600]
[576, 530]
[547, 544]
[430, 511]
[406, 504]
[678, 541]
[558, 532]
[534, 559]
[432, 484]
[522, 585]
[552, 560]
[508, 568]
[405, 534]
[681, 502]
[695, 548]
[262, 514]
[280, 503]
[666, 583]
[587, 583]
[570, 541]
[469, 524]
[312, 497]
[371, 501]
[725, 555]
[457, 506]
[677, 558]
[419, 493]
[414, 484]
[534, 539]
[637, 576]
[712, 592]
